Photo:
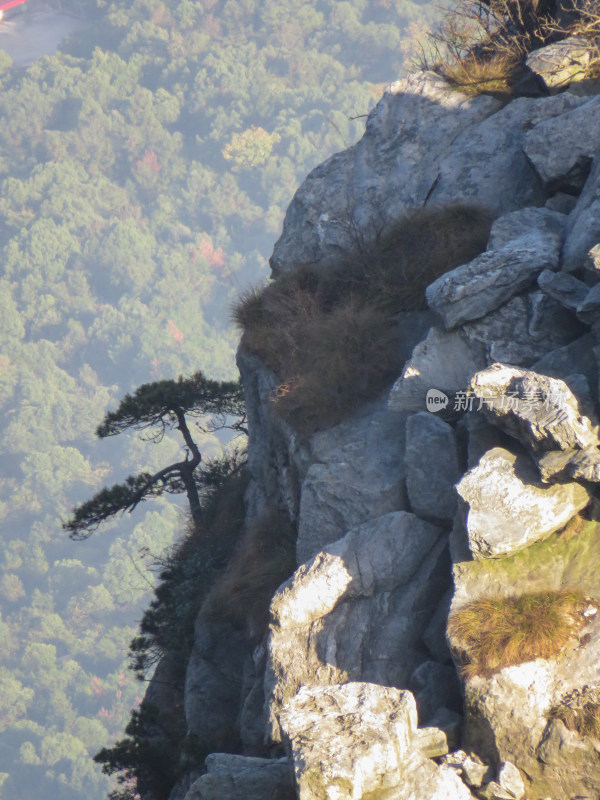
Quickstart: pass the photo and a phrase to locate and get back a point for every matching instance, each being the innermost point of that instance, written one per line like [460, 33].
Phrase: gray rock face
[536, 409]
[213, 683]
[443, 361]
[561, 148]
[511, 226]
[588, 309]
[356, 474]
[432, 467]
[583, 227]
[361, 740]
[576, 358]
[507, 508]
[473, 290]
[412, 327]
[486, 164]
[524, 329]
[562, 202]
[420, 116]
[561, 63]
[357, 610]
[435, 687]
[276, 459]
[566, 289]
[232, 777]
[571, 464]
[510, 720]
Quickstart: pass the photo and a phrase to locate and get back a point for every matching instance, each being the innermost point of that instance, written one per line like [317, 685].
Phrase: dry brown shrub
[264, 558]
[497, 632]
[348, 356]
[419, 248]
[330, 335]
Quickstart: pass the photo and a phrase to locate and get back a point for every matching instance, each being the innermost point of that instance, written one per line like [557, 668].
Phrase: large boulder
[421, 117]
[356, 473]
[549, 224]
[432, 467]
[583, 227]
[234, 777]
[485, 164]
[473, 290]
[559, 64]
[360, 740]
[561, 148]
[540, 411]
[524, 329]
[357, 610]
[564, 288]
[507, 508]
[444, 361]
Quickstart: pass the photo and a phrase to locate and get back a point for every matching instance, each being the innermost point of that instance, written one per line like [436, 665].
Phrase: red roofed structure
[8, 4]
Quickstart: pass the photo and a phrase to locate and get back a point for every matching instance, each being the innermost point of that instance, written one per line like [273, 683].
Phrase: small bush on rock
[580, 712]
[330, 335]
[497, 632]
[481, 45]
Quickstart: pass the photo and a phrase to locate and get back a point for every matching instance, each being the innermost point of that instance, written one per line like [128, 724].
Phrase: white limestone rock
[359, 739]
[561, 63]
[507, 508]
[539, 411]
[357, 610]
[510, 779]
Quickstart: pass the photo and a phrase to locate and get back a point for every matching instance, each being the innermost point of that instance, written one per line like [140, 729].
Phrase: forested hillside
[144, 173]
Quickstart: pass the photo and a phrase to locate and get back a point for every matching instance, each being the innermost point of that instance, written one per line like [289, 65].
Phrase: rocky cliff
[438, 637]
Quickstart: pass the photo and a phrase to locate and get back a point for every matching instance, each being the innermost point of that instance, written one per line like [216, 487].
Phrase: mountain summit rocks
[406, 514]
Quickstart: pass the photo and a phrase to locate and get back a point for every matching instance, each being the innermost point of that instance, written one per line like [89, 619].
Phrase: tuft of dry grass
[473, 75]
[330, 335]
[264, 559]
[580, 712]
[497, 632]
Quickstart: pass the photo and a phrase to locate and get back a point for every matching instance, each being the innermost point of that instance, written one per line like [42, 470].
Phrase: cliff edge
[422, 388]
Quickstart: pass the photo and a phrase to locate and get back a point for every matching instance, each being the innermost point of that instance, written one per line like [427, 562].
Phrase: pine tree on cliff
[155, 408]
